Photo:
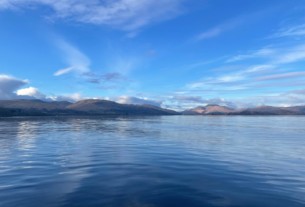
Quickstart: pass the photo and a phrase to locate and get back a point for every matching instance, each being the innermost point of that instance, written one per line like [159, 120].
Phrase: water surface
[172, 161]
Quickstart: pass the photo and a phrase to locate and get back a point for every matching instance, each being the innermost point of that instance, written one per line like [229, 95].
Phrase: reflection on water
[152, 161]
[26, 134]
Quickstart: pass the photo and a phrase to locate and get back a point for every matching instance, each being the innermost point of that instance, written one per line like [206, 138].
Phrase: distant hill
[271, 110]
[33, 104]
[262, 110]
[94, 107]
[209, 110]
[84, 107]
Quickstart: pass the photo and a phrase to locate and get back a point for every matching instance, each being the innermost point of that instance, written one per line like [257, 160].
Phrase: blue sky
[174, 53]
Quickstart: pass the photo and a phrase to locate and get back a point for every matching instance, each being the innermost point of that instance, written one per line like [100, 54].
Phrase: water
[172, 161]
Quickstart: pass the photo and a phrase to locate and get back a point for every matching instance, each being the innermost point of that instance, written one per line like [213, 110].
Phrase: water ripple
[152, 161]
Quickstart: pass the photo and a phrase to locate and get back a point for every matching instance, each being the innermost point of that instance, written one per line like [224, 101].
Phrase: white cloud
[11, 88]
[289, 98]
[30, 92]
[8, 86]
[285, 99]
[128, 15]
[67, 97]
[183, 102]
[136, 100]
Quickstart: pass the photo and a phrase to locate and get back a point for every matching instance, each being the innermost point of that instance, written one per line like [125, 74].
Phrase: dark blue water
[172, 161]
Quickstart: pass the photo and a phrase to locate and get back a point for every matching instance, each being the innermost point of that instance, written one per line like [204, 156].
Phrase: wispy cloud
[64, 71]
[77, 61]
[79, 64]
[219, 29]
[274, 56]
[233, 81]
[291, 55]
[261, 53]
[128, 15]
[284, 99]
[214, 32]
[292, 31]
[275, 73]
[123, 63]
[282, 76]
[232, 24]
[256, 76]
[247, 80]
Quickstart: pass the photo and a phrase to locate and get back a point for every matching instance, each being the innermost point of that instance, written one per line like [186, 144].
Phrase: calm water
[176, 161]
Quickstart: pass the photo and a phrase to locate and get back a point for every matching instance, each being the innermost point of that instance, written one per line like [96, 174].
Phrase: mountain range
[209, 110]
[93, 107]
[261, 110]
[83, 107]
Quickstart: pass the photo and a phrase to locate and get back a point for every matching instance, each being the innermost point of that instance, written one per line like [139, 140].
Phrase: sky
[176, 54]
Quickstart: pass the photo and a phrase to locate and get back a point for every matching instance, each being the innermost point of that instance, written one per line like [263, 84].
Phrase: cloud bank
[15, 88]
[9, 85]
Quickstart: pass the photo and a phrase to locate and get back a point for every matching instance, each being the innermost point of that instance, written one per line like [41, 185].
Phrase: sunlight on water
[152, 161]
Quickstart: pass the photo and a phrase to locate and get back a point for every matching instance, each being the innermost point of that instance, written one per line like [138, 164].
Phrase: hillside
[84, 107]
[209, 110]
[261, 110]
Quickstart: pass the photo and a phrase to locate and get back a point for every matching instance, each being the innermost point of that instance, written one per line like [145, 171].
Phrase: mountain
[298, 109]
[33, 104]
[261, 110]
[84, 107]
[93, 107]
[100, 107]
[271, 110]
[209, 110]
[35, 107]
